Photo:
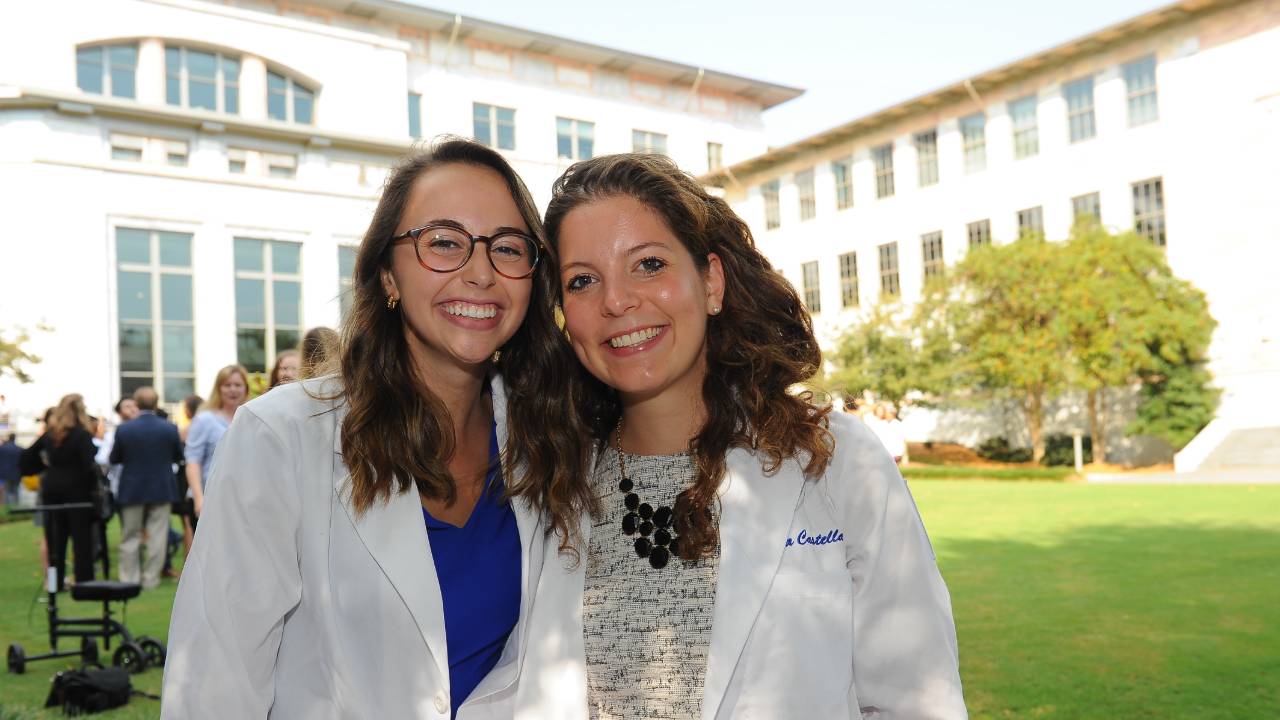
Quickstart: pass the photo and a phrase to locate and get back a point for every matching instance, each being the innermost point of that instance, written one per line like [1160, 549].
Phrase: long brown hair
[758, 347]
[69, 414]
[397, 433]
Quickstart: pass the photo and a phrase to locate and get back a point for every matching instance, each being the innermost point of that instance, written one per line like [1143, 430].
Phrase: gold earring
[392, 300]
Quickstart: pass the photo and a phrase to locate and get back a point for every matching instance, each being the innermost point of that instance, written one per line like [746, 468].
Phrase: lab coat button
[442, 703]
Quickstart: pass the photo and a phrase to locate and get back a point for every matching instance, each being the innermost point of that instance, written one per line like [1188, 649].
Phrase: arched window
[108, 69]
[204, 79]
[289, 100]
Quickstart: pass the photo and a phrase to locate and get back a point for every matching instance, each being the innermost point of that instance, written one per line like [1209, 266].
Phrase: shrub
[1059, 450]
[998, 450]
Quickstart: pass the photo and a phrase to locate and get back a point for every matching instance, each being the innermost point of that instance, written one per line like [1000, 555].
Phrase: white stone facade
[83, 169]
[1215, 146]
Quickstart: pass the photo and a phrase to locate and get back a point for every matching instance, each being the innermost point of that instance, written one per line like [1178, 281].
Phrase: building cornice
[85, 104]
[451, 24]
[970, 88]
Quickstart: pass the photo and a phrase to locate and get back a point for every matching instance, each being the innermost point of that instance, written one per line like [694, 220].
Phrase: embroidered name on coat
[804, 538]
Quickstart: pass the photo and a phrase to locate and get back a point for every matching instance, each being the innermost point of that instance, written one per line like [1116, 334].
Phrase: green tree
[1178, 400]
[993, 327]
[14, 359]
[876, 355]
[1128, 317]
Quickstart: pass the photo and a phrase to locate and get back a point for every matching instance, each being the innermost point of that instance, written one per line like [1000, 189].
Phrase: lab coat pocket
[798, 661]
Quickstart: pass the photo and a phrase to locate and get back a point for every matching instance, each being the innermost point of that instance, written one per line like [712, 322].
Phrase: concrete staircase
[1245, 448]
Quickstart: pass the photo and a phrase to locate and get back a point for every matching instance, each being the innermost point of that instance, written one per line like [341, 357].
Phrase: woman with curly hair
[754, 554]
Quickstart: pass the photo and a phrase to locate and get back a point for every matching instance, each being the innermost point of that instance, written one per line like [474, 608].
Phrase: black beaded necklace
[643, 519]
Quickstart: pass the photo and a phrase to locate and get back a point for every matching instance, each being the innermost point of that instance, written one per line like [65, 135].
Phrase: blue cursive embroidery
[804, 538]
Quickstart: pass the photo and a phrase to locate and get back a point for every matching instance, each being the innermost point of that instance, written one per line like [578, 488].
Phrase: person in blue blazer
[146, 448]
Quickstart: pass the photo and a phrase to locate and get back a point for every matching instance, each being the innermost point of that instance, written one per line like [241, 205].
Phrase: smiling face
[462, 317]
[635, 301]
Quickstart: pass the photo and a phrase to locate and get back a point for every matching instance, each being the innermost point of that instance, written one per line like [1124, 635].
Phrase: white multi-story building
[185, 180]
[1168, 123]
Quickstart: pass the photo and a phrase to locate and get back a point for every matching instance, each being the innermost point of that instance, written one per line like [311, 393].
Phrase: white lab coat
[291, 606]
[858, 627]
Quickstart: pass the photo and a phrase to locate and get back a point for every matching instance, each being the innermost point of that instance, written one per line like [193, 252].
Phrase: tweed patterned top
[647, 631]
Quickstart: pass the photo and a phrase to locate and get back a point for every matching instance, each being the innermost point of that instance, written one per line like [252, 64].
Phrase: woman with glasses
[754, 555]
[373, 537]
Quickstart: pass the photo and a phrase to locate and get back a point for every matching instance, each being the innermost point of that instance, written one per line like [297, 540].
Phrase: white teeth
[634, 338]
[462, 309]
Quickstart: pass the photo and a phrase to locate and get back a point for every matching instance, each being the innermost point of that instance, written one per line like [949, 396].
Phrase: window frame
[291, 97]
[1149, 210]
[770, 192]
[269, 277]
[715, 156]
[926, 144]
[1025, 121]
[222, 87]
[1031, 222]
[576, 137]
[849, 280]
[811, 286]
[648, 141]
[155, 269]
[933, 262]
[495, 119]
[882, 161]
[105, 69]
[806, 195]
[1082, 122]
[974, 145]
[890, 278]
[842, 174]
[1087, 205]
[979, 232]
[1130, 72]
[414, 101]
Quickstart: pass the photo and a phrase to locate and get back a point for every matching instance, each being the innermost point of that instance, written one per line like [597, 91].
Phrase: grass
[917, 471]
[1072, 601]
[22, 620]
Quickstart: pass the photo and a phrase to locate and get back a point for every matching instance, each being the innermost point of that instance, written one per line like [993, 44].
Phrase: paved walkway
[1234, 476]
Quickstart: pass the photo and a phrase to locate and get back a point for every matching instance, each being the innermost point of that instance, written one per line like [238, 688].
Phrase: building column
[150, 74]
[253, 88]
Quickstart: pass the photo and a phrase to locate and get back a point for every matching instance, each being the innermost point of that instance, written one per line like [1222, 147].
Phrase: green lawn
[1071, 601]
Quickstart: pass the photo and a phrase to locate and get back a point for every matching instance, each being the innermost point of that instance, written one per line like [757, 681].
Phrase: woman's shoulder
[296, 402]
[860, 467]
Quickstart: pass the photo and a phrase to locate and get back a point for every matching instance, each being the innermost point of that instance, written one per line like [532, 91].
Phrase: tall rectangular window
[346, 277]
[1026, 127]
[772, 210]
[268, 276]
[108, 70]
[882, 156]
[889, 270]
[1140, 86]
[494, 126]
[643, 141]
[289, 100]
[973, 134]
[979, 233]
[927, 157]
[812, 293]
[155, 302]
[842, 171]
[1148, 210]
[1086, 207]
[804, 190]
[202, 80]
[1031, 222]
[575, 139]
[849, 280]
[1079, 95]
[931, 250]
[715, 156]
[415, 115]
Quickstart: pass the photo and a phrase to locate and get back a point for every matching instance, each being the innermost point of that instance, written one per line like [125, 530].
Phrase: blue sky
[851, 57]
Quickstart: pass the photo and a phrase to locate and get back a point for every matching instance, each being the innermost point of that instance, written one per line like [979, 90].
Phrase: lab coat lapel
[394, 532]
[757, 512]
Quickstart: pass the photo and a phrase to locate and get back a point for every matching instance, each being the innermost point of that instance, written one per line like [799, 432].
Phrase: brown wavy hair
[398, 434]
[758, 348]
[69, 415]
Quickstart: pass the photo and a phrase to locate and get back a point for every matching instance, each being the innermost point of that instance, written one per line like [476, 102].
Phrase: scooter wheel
[17, 659]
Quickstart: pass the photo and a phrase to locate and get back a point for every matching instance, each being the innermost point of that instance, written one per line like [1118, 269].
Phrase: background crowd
[143, 468]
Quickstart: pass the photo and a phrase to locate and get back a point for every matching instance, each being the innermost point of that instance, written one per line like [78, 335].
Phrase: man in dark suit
[146, 447]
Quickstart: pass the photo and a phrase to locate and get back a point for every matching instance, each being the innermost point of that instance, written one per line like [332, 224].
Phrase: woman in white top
[372, 539]
[754, 555]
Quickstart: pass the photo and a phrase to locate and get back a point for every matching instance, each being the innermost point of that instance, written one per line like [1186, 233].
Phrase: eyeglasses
[445, 248]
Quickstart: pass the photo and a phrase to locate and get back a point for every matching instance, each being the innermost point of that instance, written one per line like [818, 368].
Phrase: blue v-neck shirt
[478, 566]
